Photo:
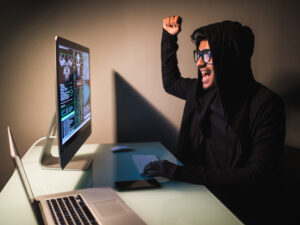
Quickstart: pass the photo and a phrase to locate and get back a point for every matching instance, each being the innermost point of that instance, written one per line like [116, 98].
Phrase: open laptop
[85, 206]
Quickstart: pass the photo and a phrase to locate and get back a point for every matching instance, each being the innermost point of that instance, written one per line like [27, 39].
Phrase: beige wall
[124, 37]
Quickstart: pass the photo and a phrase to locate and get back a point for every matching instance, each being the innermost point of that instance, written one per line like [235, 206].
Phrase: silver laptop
[86, 206]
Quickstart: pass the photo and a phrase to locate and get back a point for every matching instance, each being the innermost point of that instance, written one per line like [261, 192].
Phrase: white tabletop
[174, 203]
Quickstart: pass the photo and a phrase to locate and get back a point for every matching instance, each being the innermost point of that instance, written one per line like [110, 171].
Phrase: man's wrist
[168, 36]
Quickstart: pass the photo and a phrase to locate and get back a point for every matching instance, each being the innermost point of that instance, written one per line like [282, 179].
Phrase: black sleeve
[172, 81]
[267, 144]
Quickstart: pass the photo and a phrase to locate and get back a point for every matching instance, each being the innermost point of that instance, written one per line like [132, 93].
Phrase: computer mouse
[121, 148]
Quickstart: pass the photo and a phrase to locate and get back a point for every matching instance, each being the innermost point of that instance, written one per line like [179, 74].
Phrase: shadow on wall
[137, 120]
[287, 84]
[289, 89]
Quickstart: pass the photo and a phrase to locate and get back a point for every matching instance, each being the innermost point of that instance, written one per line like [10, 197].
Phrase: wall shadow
[287, 84]
[288, 87]
[137, 120]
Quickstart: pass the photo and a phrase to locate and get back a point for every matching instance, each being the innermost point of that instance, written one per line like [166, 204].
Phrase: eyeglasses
[204, 54]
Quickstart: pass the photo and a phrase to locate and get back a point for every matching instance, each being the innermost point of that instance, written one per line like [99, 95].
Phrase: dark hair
[197, 36]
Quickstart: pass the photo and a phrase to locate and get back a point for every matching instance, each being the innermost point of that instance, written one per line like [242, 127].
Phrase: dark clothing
[231, 136]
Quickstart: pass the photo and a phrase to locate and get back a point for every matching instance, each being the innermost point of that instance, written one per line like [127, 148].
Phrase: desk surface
[174, 203]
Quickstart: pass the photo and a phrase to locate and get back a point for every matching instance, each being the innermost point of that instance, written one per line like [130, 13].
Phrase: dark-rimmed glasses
[205, 54]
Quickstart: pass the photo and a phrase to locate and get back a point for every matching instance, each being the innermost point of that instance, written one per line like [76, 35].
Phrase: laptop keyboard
[142, 160]
[70, 210]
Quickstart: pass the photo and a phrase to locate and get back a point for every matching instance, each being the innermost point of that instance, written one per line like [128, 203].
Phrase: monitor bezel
[69, 149]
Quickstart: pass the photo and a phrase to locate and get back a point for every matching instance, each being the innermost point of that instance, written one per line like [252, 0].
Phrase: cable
[41, 139]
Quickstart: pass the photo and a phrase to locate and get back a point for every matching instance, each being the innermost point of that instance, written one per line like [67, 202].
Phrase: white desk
[174, 203]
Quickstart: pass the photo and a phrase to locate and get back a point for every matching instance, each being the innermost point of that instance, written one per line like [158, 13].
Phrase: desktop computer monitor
[73, 115]
[73, 97]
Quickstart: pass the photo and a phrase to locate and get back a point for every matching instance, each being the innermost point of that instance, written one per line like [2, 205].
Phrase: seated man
[233, 128]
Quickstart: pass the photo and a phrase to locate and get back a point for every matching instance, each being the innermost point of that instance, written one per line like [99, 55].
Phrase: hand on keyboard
[163, 168]
[142, 160]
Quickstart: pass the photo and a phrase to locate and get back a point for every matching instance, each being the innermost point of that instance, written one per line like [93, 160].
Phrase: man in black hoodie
[233, 128]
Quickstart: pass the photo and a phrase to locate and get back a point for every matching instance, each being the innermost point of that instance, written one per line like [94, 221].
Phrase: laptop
[86, 206]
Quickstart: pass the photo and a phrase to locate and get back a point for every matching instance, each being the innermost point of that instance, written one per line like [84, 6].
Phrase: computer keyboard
[142, 160]
[70, 210]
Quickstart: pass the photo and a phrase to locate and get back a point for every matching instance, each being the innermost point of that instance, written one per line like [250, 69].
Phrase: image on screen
[73, 81]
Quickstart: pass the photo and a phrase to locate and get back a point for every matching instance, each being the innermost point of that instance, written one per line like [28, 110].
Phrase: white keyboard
[142, 160]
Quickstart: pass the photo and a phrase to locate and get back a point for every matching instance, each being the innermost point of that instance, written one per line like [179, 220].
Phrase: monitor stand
[48, 161]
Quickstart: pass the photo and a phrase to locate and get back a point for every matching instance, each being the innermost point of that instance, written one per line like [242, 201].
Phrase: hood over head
[232, 46]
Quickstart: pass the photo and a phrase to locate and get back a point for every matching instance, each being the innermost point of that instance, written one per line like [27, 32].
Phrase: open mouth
[205, 75]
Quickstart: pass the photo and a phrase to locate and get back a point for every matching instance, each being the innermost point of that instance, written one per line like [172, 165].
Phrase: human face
[206, 69]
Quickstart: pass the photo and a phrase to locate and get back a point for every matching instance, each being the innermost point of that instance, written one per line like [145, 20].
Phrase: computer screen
[73, 97]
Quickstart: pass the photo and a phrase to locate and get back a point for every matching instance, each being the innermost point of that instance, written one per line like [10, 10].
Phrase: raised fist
[172, 24]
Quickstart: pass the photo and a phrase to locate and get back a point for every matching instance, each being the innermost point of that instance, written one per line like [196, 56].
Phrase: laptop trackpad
[110, 208]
